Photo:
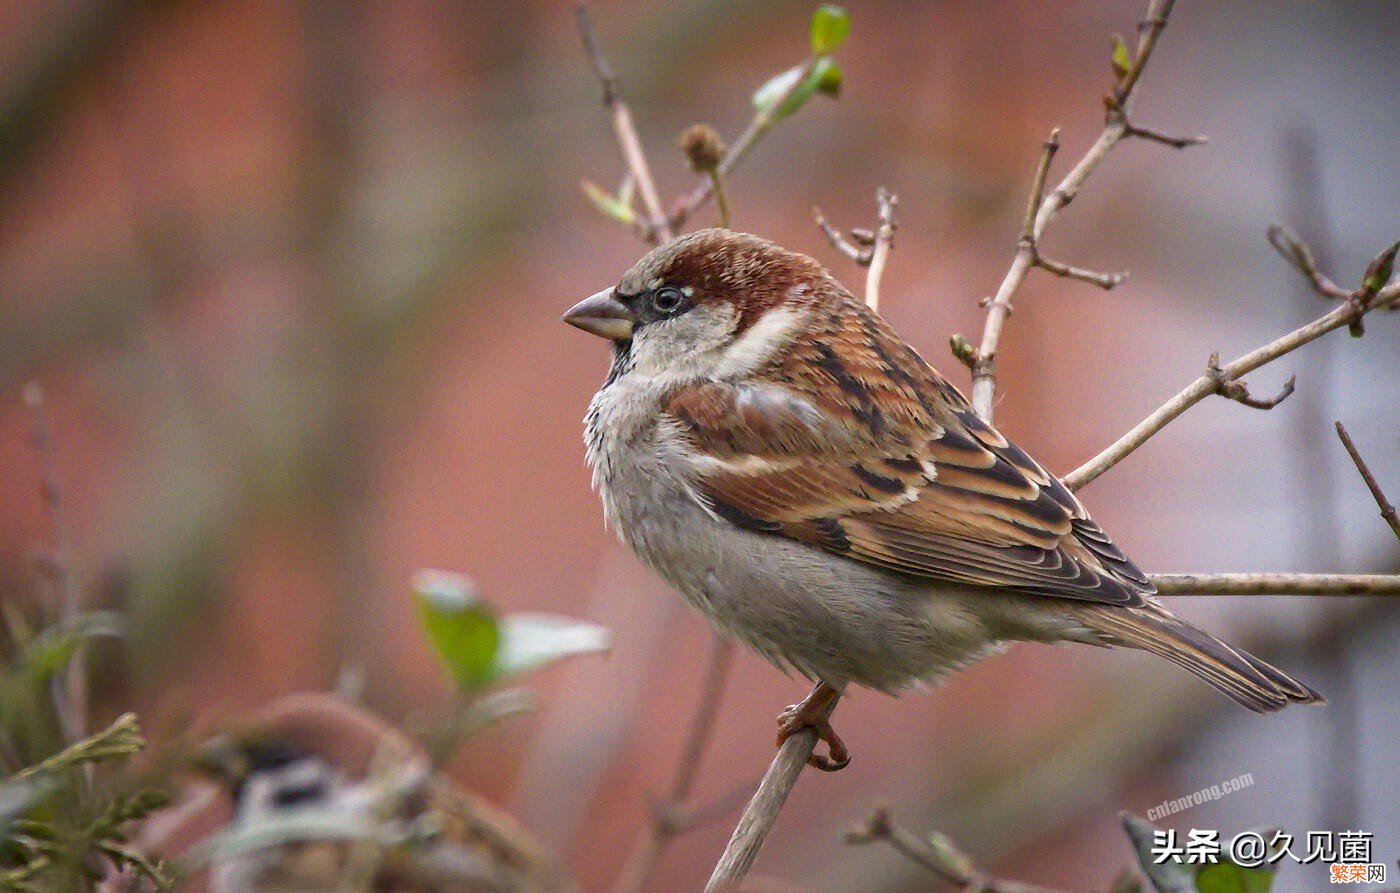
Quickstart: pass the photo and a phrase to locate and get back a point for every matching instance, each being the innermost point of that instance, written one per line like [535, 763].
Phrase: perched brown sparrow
[767, 444]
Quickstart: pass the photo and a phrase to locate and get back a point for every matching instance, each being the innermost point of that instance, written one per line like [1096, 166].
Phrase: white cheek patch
[761, 342]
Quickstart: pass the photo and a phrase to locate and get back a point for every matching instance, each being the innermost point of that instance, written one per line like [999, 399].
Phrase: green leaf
[783, 94]
[530, 641]
[1227, 877]
[830, 25]
[462, 629]
[616, 207]
[1166, 877]
[479, 648]
[1122, 60]
[1379, 271]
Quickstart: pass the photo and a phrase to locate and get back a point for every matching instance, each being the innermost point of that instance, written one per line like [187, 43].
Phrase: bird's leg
[815, 713]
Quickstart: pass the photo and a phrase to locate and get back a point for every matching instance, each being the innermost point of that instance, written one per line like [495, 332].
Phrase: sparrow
[317, 794]
[769, 446]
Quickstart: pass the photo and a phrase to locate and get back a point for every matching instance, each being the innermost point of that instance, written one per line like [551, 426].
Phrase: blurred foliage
[64, 816]
[787, 92]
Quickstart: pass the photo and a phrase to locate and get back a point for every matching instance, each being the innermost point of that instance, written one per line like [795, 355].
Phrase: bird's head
[707, 303]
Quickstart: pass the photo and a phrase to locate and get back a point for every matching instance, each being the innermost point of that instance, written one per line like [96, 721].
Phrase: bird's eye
[667, 299]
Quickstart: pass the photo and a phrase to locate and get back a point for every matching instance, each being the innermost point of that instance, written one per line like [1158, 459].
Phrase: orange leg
[815, 713]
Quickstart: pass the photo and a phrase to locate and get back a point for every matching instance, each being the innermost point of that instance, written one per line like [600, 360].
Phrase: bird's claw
[798, 717]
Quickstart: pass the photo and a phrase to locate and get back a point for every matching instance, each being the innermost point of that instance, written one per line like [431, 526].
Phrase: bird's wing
[890, 467]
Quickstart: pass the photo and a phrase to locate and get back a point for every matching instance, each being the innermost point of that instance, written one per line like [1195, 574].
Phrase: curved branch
[1348, 314]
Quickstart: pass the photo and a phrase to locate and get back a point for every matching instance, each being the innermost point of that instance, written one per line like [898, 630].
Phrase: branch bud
[703, 148]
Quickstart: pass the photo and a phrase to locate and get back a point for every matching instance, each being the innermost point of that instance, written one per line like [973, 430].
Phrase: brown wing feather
[892, 467]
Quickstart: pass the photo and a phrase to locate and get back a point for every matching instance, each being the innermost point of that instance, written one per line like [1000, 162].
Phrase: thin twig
[880, 250]
[1300, 257]
[838, 241]
[936, 853]
[1276, 584]
[1238, 391]
[1105, 281]
[1156, 136]
[868, 248]
[762, 811]
[70, 687]
[1027, 253]
[1042, 170]
[721, 202]
[627, 139]
[1214, 379]
[1387, 510]
[669, 818]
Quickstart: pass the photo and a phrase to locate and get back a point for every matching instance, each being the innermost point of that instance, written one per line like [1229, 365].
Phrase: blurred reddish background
[291, 277]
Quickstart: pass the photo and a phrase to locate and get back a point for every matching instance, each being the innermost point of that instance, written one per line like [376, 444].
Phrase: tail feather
[1245, 678]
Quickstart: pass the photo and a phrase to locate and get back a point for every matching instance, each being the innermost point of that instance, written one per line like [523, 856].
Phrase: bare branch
[670, 818]
[833, 235]
[1300, 257]
[1276, 584]
[1222, 376]
[937, 853]
[1387, 510]
[1149, 31]
[1239, 392]
[1042, 170]
[1156, 136]
[880, 251]
[1105, 281]
[627, 140]
[762, 811]
[868, 248]
[1115, 129]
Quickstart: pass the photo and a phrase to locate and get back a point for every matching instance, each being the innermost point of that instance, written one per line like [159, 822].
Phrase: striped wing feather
[851, 442]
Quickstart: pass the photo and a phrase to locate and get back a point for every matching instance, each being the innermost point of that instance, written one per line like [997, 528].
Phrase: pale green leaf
[783, 94]
[462, 629]
[618, 208]
[530, 641]
[830, 25]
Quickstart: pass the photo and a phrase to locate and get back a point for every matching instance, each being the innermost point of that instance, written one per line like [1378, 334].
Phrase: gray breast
[802, 608]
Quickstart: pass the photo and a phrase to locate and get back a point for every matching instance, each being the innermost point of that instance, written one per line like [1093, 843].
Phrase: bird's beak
[602, 315]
